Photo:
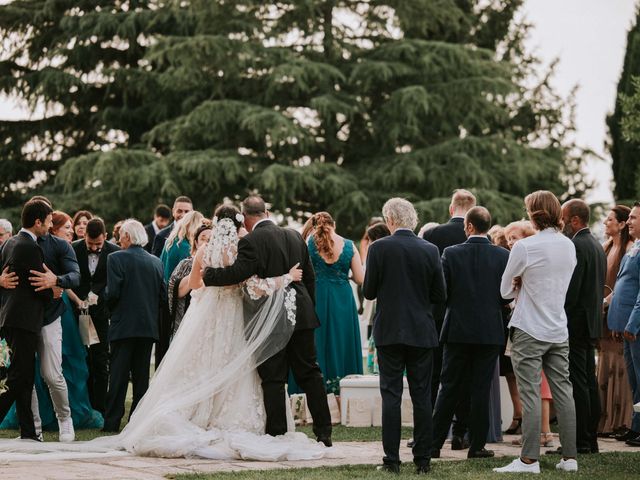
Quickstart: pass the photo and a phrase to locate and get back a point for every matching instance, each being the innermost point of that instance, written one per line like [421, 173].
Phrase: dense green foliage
[317, 104]
[624, 122]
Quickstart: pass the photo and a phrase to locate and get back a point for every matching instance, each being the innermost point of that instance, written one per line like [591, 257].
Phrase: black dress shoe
[423, 469]
[459, 443]
[633, 442]
[435, 453]
[484, 453]
[326, 440]
[389, 467]
[34, 438]
[624, 436]
[411, 443]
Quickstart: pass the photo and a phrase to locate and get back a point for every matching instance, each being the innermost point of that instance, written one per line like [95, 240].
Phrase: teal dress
[338, 342]
[172, 256]
[76, 373]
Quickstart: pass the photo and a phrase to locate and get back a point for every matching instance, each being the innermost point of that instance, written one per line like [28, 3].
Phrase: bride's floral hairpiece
[239, 217]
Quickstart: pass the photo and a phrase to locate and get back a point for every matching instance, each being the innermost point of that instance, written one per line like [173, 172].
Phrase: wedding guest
[6, 230]
[613, 384]
[92, 253]
[443, 236]
[161, 218]
[365, 241]
[115, 234]
[427, 226]
[374, 232]
[404, 274]
[181, 206]
[61, 273]
[22, 311]
[497, 237]
[178, 288]
[473, 331]
[583, 306]
[135, 292]
[178, 244]
[74, 366]
[80, 220]
[538, 274]
[338, 341]
[624, 318]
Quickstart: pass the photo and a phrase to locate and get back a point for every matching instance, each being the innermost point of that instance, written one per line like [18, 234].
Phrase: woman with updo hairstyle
[338, 341]
[80, 220]
[61, 226]
[613, 384]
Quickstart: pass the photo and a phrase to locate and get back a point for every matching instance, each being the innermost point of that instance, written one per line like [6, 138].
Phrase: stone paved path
[143, 468]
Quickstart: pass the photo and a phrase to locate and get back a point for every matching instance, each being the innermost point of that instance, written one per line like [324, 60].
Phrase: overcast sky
[589, 38]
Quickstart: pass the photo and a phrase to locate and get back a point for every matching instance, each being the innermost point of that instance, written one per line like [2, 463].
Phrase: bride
[205, 399]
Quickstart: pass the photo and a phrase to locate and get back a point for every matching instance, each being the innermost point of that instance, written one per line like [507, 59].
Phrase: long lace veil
[176, 387]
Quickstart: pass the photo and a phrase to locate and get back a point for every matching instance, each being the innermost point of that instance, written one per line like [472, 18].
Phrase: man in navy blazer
[473, 331]
[624, 318]
[135, 294]
[404, 274]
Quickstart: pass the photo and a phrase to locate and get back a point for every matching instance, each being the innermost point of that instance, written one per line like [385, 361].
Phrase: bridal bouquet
[4, 361]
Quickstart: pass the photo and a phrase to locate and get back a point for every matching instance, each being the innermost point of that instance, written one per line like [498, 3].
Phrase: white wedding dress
[205, 399]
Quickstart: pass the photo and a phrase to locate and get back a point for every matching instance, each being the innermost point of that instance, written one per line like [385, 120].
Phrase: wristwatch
[58, 282]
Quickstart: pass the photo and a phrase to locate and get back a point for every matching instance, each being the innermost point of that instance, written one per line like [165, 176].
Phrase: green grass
[612, 466]
[356, 434]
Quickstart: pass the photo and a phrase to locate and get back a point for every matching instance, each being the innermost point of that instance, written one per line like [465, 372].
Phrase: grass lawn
[612, 466]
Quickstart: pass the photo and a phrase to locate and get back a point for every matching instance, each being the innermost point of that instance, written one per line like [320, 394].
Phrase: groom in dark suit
[404, 274]
[22, 312]
[92, 252]
[270, 251]
[473, 330]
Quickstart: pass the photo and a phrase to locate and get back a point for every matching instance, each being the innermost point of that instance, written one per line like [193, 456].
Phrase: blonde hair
[185, 228]
[523, 226]
[463, 199]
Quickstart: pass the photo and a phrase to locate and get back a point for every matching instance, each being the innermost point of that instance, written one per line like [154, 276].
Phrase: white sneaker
[67, 434]
[569, 465]
[518, 466]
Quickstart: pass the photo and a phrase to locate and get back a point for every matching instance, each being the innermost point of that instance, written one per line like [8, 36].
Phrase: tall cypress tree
[624, 151]
[330, 105]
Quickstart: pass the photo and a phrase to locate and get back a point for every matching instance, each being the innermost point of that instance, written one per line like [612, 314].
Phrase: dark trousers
[300, 355]
[582, 373]
[461, 421]
[20, 377]
[393, 360]
[466, 367]
[128, 356]
[98, 361]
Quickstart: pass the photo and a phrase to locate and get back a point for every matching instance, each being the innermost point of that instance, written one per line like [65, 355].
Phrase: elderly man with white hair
[6, 230]
[404, 273]
[135, 293]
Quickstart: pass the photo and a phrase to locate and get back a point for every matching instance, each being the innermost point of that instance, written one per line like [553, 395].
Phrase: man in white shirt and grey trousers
[537, 276]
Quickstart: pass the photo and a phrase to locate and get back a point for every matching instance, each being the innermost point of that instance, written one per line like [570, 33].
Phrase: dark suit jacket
[160, 239]
[405, 274]
[96, 283]
[61, 260]
[270, 251]
[135, 293]
[151, 235]
[443, 236]
[473, 272]
[447, 234]
[23, 307]
[583, 304]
